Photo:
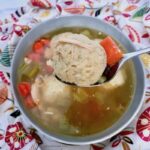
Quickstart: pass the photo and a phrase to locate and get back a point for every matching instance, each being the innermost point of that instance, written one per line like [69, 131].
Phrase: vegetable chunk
[113, 52]
[24, 88]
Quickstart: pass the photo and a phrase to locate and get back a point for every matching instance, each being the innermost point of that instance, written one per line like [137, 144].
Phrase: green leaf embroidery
[137, 16]
[5, 57]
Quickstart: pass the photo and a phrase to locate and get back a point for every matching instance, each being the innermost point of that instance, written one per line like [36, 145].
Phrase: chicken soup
[80, 56]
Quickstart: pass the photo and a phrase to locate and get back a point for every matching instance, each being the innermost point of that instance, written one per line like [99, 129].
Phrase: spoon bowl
[112, 71]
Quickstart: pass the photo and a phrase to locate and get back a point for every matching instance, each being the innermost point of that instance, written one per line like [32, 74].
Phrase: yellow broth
[88, 110]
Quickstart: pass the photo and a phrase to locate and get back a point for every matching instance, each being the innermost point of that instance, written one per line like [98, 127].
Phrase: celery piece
[33, 71]
[24, 78]
[29, 71]
[101, 36]
[86, 33]
[22, 67]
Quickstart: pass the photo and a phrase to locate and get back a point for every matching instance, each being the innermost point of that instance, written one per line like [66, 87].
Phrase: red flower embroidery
[111, 20]
[4, 37]
[126, 15]
[132, 33]
[145, 35]
[16, 136]
[147, 17]
[41, 3]
[143, 125]
[58, 7]
[20, 29]
[69, 2]
[4, 79]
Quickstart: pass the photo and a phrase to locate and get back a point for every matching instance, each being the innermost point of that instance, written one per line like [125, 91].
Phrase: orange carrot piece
[24, 88]
[38, 47]
[113, 52]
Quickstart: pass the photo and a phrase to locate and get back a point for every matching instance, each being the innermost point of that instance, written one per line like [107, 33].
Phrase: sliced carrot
[113, 52]
[45, 41]
[24, 88]
[38, 47]
[29, 102]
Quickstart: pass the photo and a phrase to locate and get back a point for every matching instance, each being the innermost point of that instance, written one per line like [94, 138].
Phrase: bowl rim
[68, 139]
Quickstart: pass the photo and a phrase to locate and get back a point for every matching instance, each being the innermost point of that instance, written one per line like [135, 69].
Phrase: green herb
[86, 33]
[33, 71]
[101, 36]
[28, 71]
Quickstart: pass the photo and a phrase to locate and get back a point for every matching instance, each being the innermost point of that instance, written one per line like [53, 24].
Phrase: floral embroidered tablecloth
[132, 17]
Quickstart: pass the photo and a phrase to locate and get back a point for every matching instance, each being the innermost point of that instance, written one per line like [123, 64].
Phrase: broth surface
[86, 110]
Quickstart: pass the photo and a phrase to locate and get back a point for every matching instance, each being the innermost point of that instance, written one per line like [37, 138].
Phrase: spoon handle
[139, 52]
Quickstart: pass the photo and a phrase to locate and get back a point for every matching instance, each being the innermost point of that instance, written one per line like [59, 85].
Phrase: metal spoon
[111, 72]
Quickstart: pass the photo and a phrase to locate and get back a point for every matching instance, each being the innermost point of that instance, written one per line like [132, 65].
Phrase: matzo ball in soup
[80, 56]
[77, 59]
